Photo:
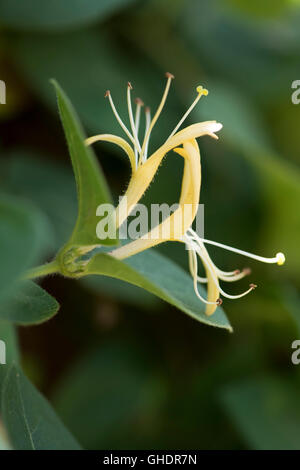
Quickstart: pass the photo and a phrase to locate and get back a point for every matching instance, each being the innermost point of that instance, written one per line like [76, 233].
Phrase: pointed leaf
[28, 304]
[162, 277]
[29, 419]
[92, 189]
[23, 231]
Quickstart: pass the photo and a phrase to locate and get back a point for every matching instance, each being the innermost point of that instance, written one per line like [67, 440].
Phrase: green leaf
[91, 185]
[28, 305]
[266, 411]
[112, 397]
[56, 14]
[23, 235]
[3, 444]
[161, 277]
[30, 421]
[121, 291]
[8, 335]
[31, 175]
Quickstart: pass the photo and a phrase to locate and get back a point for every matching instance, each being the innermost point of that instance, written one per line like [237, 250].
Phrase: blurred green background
[122, 368]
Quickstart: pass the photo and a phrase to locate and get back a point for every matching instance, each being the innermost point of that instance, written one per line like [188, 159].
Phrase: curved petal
[145, 172]
[115, 140]
[174, 226]
[213, 293]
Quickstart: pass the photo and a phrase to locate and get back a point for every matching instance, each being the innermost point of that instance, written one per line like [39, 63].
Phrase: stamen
[195, 265]
[202, 255]
[108, 95]
[228, 276]
[198, 247]
[201, 91]
[233, 278]
[139, 103]
[202, 280]
[137, 147]
[148, 121]
[157, 114]
[279, 258]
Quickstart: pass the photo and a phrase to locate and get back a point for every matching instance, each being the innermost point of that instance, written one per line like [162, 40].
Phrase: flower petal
[145, 172]
[174, 226]
[115, 140]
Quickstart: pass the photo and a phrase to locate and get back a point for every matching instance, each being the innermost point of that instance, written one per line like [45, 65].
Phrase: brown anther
[219, 301]
[139, 101]
[253, 286]
[247, 271]
[106, 94]
[147, 109]
[237, 271]
[169, 75]
[129, 86]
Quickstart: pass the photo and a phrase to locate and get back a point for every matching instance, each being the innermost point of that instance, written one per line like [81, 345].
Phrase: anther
[219, 301]
[252, 286]
[237, 271]
[106, 94]
[247, 271]
[139, 102]
[169, 75]
[129, 85]
[147, 109]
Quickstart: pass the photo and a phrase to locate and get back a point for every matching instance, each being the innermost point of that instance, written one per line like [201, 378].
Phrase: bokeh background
[122, 368]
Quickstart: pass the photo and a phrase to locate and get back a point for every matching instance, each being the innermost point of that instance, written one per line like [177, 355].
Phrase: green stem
[48, 268]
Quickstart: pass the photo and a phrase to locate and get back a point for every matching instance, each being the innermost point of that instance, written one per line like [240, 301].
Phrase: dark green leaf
[111, 397]
[266, 412]
[122, 291]
[91, 185]
[30, 421]
[32, 176]
[23, 234]
[9, 337]
[56, 14]
[28, 304]
[161, 277]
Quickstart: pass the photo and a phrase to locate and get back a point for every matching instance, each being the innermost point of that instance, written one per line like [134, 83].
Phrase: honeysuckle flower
[179, 223]
[143, 167]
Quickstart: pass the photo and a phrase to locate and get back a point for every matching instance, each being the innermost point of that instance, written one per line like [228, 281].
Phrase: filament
[148, 121]
[137, 146]
[195, 266]
[279, 258]
[205, 259]
[139, 104]
[158, 111]
[201, 91]
[107, 94]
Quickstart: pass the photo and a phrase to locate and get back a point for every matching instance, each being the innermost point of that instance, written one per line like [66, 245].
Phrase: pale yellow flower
[143, 170]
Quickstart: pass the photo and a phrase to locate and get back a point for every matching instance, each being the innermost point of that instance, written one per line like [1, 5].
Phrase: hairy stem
[43, 270]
